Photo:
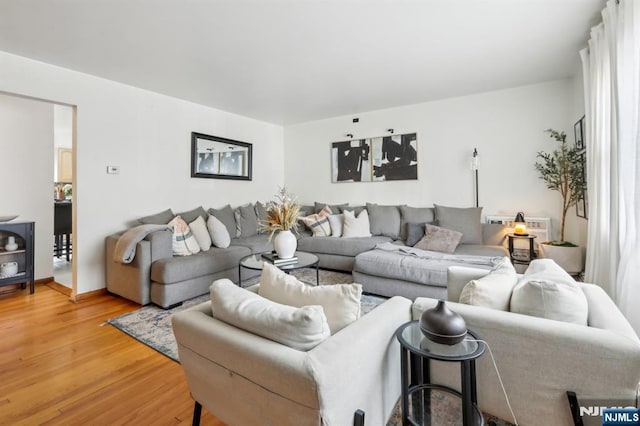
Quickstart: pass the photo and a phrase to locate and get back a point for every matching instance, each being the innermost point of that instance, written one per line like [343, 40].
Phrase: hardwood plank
[60, 364]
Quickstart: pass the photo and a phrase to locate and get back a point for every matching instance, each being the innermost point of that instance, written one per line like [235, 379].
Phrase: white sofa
[541, 359]
[245, 379]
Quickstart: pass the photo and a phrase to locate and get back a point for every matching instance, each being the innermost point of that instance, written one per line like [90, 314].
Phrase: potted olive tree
[561, 170]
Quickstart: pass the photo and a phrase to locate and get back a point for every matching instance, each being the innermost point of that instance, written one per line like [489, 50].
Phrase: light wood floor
[61, 364]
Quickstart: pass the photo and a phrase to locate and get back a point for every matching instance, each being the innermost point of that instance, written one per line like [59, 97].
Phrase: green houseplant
[561, 170]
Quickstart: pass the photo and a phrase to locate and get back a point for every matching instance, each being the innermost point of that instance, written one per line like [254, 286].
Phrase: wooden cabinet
[24, 234]
[65, 165]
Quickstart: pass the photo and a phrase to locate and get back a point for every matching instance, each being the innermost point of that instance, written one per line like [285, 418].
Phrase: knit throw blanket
[125, 250]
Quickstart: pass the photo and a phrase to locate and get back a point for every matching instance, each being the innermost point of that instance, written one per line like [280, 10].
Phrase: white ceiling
[290, 61]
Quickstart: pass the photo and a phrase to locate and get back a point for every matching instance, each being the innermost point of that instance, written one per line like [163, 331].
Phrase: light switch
[113, 170]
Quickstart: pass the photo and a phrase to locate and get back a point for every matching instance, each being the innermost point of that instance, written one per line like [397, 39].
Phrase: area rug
[151, 324]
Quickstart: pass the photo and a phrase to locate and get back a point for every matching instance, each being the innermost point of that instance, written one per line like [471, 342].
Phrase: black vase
[442, 325]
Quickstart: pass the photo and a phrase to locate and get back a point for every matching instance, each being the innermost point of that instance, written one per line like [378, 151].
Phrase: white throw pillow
[335, 222]
[356, 226]
[318, 223]
[218, 232]
[199, 229]
[493, 290]
[299, 328]
[341, 302]
[183, 243]
[547, 291]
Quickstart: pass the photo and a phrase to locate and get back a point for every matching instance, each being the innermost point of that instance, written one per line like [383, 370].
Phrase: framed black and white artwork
[220, 158]
[384, 158]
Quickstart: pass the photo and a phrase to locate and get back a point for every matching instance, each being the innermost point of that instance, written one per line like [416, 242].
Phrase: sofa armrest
[133, 280]
[458, 277]
[540, 359]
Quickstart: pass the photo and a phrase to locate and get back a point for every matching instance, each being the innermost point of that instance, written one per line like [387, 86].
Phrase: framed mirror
[220, 158]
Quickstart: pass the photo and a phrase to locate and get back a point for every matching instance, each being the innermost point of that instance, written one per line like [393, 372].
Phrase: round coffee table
[256, 261]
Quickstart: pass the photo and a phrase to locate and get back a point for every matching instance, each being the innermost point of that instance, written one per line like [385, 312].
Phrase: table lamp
[520, 226]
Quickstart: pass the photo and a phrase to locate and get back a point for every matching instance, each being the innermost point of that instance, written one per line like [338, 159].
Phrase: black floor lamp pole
[474, 162]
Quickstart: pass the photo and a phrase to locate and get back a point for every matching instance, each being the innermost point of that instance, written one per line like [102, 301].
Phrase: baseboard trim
[89, 295]
[59, 287]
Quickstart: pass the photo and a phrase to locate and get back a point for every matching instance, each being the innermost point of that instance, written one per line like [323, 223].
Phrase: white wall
[148, 136]
[507, 127]
[26, 167]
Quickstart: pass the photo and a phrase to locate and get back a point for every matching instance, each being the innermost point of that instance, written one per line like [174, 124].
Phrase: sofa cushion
[191, 215]
[493, 234]
[318, 223]
[161, 218]
[384, 220]
[414, 215]
[226, 216]
[341, 302]
[356, 209]
[218, 232]
[415, 232]
[335, 208]
[335, 222]
[299, 328]
[256, 243]
[465, 220]
[493, 290]
[439, 239]
[176, 269]
[201, 233]
[261, 214]
[481, 250]
[547, 291]
[183, 243]
[356, 227]
[246, 221]
[339, 246]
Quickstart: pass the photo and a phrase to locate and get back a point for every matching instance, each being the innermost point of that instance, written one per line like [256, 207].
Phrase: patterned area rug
[151, 324]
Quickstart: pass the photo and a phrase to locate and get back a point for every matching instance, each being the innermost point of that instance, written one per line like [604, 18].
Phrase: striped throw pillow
[319, 223]
[183, 242]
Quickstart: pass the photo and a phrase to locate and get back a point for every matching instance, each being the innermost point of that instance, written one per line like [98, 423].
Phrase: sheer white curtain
[611, 68]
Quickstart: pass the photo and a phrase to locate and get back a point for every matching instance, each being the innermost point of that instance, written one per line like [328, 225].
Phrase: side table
[517, 256]
[416, 352]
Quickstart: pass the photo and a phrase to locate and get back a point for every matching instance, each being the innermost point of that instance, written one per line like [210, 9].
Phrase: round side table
[418, 393]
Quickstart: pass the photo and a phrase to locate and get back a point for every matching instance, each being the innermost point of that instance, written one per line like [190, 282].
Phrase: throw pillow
[299, 328]
[226, 216]
[355, 209]
[356, 226]
[183, 242]
[415, 232]
[161, 218]
[246, 221]
[335, 222]
[261, 214]
[547, 291]
[414, 215]
[201, 233]
[439, 239]
[218, 232]
[465, 220]
[318, 223]
[340, 302]
[191, 215]
[385, 220]
[493, 290]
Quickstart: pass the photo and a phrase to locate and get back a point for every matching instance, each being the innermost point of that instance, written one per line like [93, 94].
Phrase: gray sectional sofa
[156, 276]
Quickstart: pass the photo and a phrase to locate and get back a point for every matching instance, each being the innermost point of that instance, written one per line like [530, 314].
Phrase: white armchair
[245, 379]
[541, 359]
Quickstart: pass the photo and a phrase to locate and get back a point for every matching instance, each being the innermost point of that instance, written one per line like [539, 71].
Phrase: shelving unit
[24, 233]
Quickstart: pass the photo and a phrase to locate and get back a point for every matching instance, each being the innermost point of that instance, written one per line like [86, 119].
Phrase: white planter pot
[285, 244]
[569, 258]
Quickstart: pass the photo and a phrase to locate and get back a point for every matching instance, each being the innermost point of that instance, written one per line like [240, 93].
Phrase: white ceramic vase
[11, 244]
[285, 244]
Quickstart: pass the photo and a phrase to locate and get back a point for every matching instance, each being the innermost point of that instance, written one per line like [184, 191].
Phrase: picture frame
[578, 131]
[214, 157]
[582, 206]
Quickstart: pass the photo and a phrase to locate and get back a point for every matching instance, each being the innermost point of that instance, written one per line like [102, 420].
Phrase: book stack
[273, 258]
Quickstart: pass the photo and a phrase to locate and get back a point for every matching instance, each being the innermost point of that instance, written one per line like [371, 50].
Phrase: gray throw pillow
[261, 213]
[415, 232]
[192, 215]
[355, 209]
[335, 208]
[161, 218]
[225, 215]
[414, 215]
[246, 220]
[439, 239]
[384, 220]
[465, 220]
[306, 210]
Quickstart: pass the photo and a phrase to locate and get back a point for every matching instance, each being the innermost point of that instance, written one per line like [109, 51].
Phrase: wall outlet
[113, 170]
